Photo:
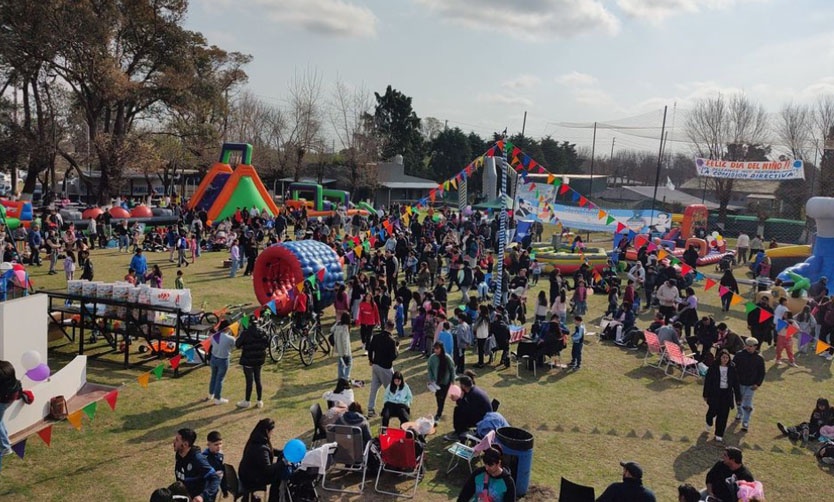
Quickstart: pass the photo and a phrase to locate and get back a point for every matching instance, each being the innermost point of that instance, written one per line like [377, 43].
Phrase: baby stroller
[727, 262]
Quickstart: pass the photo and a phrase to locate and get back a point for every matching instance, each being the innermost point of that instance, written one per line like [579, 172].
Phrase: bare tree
[431, 127]
[731, 128]
[303, 131]
[348, 107]
[793, 129]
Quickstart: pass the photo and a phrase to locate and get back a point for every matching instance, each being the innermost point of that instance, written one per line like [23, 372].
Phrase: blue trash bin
[517, 445]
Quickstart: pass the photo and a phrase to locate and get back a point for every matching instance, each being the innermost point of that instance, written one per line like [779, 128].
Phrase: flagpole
[497, 298]
[657, 174]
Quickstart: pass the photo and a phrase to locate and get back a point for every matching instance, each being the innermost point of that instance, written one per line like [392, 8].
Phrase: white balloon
[30, 359]
[715, 234]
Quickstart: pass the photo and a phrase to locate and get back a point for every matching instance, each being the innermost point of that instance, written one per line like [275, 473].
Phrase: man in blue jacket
[193, 469]
[140, 265]
[35, 243]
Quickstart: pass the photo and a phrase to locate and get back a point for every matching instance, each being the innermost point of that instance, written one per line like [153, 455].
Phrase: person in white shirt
[637, 274]
[667, 295]
[234, 255]
[742, 247]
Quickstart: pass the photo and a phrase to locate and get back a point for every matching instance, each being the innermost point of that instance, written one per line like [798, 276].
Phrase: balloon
[714, 234]
[455, 392]
[39, 373]
[30, 359]
[294, 451]
[589, 291]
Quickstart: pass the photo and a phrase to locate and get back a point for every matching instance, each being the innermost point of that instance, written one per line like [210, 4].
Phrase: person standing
[341, 342]
[631, 489]
[192, 469]
[222, 345]
[35, 243]
[668, 297]
[382, 351]
[577, 340]
[750, 367]
[139, 264]
[742, 247]
[182, 247]
[234, 256]
[367, 318]
[441, 369]
[721, 390]
[253, 343]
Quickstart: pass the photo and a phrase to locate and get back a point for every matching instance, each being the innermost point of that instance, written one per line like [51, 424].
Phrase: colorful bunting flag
[764, 315]
[662, 254]
[20, 448]
[205, 344]
[46, 435]
[550, 179]
[233, 328]
[272, 306]
[722, 290]
[158, 371]
[685, 269]
[736, 299]
[358, 251]
[90, 410]
[601, 214]
[805, 338]
[143, 379]
[565, 188]
[75, 419]
[620, 227]
[175, 361]
[791, 330]
[822, 347]
[780, 324]
[610, 220]
[709, 284]
[749, 307]
[651, 247]
[244, 322]
[582, 201]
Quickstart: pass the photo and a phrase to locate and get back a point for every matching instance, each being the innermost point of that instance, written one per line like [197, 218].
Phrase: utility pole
[659, 159]
[593, 150]
[612, 148]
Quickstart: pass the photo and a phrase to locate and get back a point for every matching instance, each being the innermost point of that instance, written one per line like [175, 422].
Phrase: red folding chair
[398, 454]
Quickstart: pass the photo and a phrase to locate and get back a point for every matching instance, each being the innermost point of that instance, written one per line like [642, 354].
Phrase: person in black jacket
[721, 391]
[750, 367]
[822, 415]
[499, 329]
[382, 351]
[631, 489]
[253, 343]
[258, 467]
[728, 280]
[192, 469]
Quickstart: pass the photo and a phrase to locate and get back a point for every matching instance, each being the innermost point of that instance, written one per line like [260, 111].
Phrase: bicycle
[281, 336]
[311, 340]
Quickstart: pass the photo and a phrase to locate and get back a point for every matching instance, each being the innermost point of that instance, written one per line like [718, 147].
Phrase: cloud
[528, 19]
[339, 18]
[495, 98]
[522, 82]
[576, 79]
[658, 10]
[594, 97]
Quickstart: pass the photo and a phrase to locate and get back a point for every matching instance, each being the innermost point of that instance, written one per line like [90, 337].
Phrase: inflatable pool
[785, 257]
[568, 262]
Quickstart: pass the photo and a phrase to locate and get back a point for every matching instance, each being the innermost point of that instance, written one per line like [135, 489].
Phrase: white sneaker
[222, 400]
[829, 357]
[210, 397]
[707, 427]
[793, 364]
[242, 404]
[719, 439]
[259, 404]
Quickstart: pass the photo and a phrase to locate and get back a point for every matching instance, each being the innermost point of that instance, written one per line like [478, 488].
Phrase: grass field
[584, 422]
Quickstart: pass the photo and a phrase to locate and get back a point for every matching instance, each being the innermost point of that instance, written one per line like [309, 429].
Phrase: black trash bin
[517, 445]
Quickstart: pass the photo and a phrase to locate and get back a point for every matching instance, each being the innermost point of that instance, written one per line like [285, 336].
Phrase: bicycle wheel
[276, 347]
[306, 350]
[291, 336]
[322, 341]
[209, 318]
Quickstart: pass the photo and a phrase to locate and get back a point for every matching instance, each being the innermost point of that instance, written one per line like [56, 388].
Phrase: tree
[793, 127]
[397, 128]
[727, 129]
[560, 157]
[348, 109]
[430, 127]
[823, 124]
[304, 120]
[449, 153]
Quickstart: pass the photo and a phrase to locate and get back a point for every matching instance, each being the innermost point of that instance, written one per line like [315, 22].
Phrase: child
[410, 267]
[613, 300]
[178, 283]
[130, 278]
[194, 245]
[577, 339]
[541, 307]
[69, 265]
[399, 317]
[536, 269]
[214, 455]
[580, 297]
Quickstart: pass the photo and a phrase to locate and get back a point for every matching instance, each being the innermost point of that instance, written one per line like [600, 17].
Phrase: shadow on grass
[659, 381]
[697, 459]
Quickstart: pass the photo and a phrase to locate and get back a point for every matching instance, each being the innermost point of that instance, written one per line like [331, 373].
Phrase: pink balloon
[455, 392]
[39, 373]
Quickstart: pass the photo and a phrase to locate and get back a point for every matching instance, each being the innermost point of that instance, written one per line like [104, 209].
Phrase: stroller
[727, 262]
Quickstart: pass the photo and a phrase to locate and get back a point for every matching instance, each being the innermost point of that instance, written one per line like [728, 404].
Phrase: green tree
[397, 128]
[449, 153]
[560, 157]
[477, 145]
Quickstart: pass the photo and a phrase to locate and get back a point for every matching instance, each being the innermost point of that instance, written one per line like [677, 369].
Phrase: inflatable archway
[280, 268]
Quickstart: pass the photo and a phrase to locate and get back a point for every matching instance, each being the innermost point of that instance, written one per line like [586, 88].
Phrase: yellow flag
[662, 254]
[550, 179]
[455, 183]
[75, 419]
[143, 379]
[822, 346]
[234, 328]
[736, 299]
[300, 286]
[358, 251]
[408, 210]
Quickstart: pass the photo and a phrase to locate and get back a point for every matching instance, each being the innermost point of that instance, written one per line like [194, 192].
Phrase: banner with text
[775, 170]
[636, 220]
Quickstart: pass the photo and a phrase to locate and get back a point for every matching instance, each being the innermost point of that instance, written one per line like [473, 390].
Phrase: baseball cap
[633, 468]
[751, 342]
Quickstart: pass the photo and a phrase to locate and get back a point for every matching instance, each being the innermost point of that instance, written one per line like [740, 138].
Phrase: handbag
[58, 408]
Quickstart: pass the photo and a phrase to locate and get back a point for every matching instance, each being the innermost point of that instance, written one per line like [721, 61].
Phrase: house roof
[392, 175]
[306, 179]
[663, 195]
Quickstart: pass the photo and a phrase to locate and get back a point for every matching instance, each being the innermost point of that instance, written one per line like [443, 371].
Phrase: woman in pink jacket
[368, 318]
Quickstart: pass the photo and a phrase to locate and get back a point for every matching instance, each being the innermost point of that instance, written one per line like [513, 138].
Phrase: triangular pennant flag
[175, 361]
[662, 254]
[764, 315]
[244, 322]
[610, 220]
[685, 269]
[723, 290]
[822, 347]
[454, 183]
[600, 214]
[651, 247]
[791, 330]
[272, 306]
[20, 448]
[143, 379]
[550, 179]
[749, 307]
[257, 311]
[674, 260]
[205, 344]
[90, 410]
[158, 371]
[575, 196]
[699, 276]
[557, 182]
[111, 398]
[565, 188]
[300, 286]
[582, 201]
[736, 299]
[804, 338]
[780, 324]
[216, 337]
[709, 284]
[75, 419]
[46, 435]
[639, 241]
[620, 227]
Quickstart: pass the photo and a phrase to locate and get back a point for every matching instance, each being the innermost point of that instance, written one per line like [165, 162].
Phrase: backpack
[826, 453]
[58, 408]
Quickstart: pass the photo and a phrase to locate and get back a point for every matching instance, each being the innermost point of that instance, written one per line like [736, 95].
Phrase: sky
[480, 64]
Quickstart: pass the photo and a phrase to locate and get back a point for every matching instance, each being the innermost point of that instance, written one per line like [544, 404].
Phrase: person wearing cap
[491, 482]
[631, 489]
[382, 351]
[728, 466]
[750, 368]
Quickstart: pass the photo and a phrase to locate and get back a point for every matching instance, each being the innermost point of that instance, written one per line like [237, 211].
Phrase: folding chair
[468, 450]
[318, 432]
[572, 492]
[654, 348]
[350, 455]
[687, 364]
[525, 353]
[398, 455]
[232, 483]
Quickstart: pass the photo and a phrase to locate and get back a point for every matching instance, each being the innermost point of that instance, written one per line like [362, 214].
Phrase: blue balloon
[294, 451]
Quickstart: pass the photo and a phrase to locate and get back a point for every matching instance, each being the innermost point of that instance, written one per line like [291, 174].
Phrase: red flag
[639, 241]
[46, 435]
[111, 397]
[582, 201]
[320, 274]
[764, 315]
[564, 189]
[372, 241]
[791, 330]
[709, 284]
[620, 227]
[685, 269]
[175, 361]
